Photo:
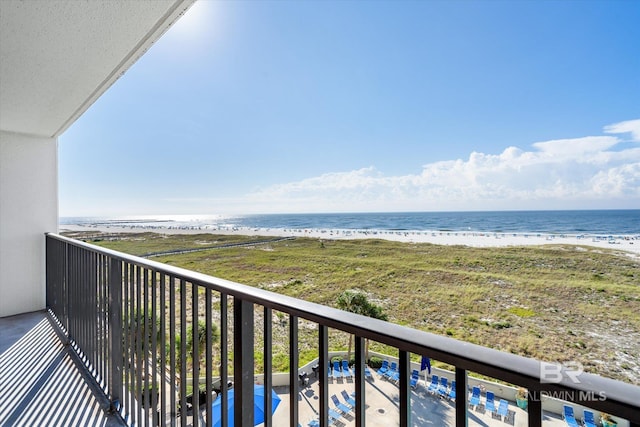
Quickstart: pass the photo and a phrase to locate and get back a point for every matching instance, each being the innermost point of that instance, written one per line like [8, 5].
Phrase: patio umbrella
[258, 406]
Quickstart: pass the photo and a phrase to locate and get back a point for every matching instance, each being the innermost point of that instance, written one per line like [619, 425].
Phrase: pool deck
[382, 407]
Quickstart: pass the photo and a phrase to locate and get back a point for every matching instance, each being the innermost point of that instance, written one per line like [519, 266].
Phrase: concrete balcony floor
[41, 383]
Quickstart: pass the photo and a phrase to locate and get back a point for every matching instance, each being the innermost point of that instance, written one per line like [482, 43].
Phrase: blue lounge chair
[415, 376]
[345, 369]
[568, 416]
[589, 420]
[367, 373]
[433, 387]
[490, 405]
[384, 368]
[475, 396]
[350, 400]
[391, 371]
[336, 372]
[314, 423]
[452, 392]
[334, 415]
[341, 406]
[444, 387]
[503, 408]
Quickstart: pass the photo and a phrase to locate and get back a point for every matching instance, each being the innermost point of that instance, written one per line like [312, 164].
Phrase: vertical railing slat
[224, 359]
[405, 392]
[209, 356]
[461, 398]
[154, 347]
[146, 394]
[294, 383]
[163, 352]
[268, 365]
[126, 303]
[183, 353]
[243, 362]
[359, 381]
[323, 374]
[115, 332]
[195, 360]
[138, 331]
[534, 408]
[172, 347]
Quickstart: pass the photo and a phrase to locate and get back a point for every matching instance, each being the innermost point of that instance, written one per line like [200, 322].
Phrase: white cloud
[629, 126]
[571, 148]
[569, 173]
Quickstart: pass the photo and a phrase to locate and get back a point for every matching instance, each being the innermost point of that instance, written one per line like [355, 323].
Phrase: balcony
[109, 352]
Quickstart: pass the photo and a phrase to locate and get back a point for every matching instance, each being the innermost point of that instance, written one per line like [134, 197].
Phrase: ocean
[575, 222]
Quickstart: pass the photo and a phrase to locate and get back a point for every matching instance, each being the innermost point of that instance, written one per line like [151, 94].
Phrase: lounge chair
[433, 387]
[503, 408]
[341, 406]
[490, 405]
[452, 392]
[568, 416]
[314, 423]
[336, 372]
[350, 400]
[391, 371]
[415, 376]
[334, 415]
[345, 369]
[367, 373]
[589, 420]
[475, 396]
[444, 387]
[384, 368]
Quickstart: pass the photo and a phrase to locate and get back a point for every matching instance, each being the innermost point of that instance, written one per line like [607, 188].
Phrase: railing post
[405, 391]
[294, 388]
[323, 387]
[268, 365]
[359, 381]
[115, 333]
[67, 292]
[243, 365]
[462, 419]
[535, 408]
[224, 359]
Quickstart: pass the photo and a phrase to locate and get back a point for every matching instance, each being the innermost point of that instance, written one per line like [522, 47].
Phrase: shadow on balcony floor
[41, 382]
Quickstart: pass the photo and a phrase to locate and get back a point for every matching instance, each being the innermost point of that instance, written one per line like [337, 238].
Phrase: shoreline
[627, 243]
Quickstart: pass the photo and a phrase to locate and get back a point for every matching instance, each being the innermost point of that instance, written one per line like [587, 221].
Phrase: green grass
[554, 303]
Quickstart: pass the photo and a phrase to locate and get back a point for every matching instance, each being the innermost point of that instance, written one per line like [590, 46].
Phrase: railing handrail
[622, 398]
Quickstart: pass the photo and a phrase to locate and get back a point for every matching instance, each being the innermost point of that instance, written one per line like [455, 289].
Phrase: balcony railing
[123, 316]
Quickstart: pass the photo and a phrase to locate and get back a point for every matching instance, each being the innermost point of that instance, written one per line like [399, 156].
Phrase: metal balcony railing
[123, 315]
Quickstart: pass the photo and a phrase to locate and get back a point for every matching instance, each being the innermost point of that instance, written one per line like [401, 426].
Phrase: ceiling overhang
[58, 56]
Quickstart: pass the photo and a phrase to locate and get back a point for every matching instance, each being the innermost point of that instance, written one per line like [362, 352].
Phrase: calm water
[601, 222]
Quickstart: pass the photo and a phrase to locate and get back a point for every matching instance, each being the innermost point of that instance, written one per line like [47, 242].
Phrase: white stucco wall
[28, 209]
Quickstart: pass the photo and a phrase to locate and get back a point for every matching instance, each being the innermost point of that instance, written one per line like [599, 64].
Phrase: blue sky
[321, 106]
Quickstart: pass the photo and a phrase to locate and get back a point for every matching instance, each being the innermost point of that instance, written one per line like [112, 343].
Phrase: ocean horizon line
[555, 222]
[156, 215]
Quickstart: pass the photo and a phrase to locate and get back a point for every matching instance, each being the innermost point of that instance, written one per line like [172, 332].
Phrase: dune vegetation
[554, 303]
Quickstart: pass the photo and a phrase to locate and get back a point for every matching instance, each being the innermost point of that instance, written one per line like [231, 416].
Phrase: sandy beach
[629, 244]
